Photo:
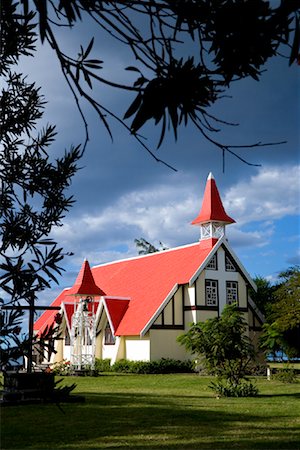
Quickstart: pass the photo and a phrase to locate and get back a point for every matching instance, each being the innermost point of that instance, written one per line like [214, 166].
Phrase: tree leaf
[296, 44]
[133, 69]
[134, 106]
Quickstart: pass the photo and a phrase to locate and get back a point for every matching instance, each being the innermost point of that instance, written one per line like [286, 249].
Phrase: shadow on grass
[141, 421]
[293, 395]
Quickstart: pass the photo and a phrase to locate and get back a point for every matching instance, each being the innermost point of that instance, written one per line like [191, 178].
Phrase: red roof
[48, 316]
[85, 283]
[212, 206]
[116, 309]
[145, 280]
[148, 280]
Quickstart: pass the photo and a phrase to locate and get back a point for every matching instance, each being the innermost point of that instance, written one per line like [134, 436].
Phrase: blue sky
[122, 193]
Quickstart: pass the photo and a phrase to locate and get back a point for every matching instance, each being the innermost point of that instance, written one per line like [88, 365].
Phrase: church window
[212, 265]
[231, 292]
[229, 266]
[211, 292]
[109, 338]
[67, 337]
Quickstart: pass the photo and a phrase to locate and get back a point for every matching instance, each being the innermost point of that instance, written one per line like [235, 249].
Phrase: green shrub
[226, 389]
[123, 366]
[167, 365]
[257, 369]
[286, 375]
[102, 365]
[164, 365]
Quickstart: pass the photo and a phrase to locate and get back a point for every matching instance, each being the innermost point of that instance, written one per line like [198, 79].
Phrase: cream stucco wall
[112, 351]
[164, 345]
[221, 275]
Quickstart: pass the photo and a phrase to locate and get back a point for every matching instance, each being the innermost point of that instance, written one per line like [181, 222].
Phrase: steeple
[85, 284]
[212, 218]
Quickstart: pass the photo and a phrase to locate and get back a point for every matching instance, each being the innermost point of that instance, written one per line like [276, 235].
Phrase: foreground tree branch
[186, 54]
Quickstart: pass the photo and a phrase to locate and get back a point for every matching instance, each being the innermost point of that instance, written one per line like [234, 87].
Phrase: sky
[122, 193]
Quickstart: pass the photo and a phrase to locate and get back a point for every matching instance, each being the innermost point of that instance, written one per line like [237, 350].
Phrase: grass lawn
[157, 412]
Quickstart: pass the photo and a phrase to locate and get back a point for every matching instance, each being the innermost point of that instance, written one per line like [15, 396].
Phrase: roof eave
[205, 262]
[240, 265]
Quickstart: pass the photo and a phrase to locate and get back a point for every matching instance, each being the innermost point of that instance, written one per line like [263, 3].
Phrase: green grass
[158, 412]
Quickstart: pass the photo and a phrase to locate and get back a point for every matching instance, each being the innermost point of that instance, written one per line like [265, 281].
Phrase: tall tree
[282, 330]
[144, 247]
[33, 195]
[185, 53]
[264, 296]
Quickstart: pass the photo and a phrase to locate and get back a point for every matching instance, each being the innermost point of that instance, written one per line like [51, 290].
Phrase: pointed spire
[212, 206]
[85, 283]
[212, 217]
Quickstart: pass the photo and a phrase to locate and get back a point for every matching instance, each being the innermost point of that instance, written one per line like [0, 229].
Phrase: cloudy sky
[122, 193]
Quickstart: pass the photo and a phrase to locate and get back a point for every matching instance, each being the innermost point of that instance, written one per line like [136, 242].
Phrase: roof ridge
[147, 255]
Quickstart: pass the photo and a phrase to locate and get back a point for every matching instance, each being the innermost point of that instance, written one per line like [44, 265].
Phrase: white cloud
[258, 238]
[164, 213]
[271, 194]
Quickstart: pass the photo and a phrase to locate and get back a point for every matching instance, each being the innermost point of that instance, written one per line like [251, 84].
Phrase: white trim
[223, 241]
[159, 310]
[108, 317]
[106, 297]
[205, 262]
[257, 311]
[240, 265]
[99, 310]
[65, 314]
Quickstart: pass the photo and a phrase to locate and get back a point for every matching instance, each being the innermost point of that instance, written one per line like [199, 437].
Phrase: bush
[227, 389]
[102, 365]
[123, 366]
[164, 365]
[286, 375]
[167, 365]
[61, 368]
[259, 369]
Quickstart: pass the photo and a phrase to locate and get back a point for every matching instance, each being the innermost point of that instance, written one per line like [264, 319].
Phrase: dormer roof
[212, 209]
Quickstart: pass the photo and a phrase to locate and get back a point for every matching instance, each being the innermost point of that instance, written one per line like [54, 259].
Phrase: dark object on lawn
[36, 387]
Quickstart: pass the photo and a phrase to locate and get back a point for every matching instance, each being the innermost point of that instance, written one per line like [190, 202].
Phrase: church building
[135, 308]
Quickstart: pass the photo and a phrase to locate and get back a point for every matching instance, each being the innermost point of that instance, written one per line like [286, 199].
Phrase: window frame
[231, 287]
[227, 258]
[67, 337]
[208, 283]
[109, 338]
[215, 259]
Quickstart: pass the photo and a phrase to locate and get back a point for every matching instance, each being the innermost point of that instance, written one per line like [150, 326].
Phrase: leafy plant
[61, 368]
[164, 365]
[287, 374]
[102, 365]
[222, 345]
[227, 389]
